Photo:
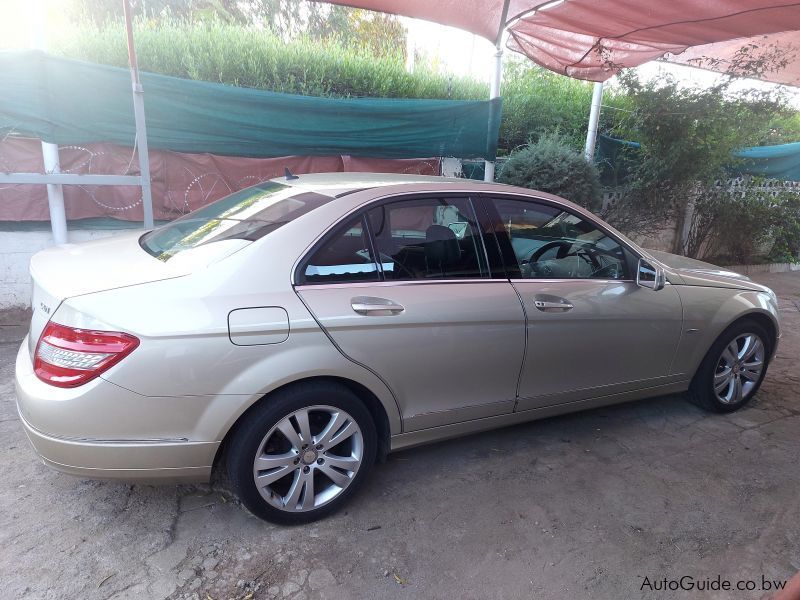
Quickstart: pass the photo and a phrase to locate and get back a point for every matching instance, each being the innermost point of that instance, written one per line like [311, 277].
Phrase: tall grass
[249, 57]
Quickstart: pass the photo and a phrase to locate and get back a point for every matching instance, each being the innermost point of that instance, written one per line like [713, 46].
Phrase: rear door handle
[550, 306]
[368, 305]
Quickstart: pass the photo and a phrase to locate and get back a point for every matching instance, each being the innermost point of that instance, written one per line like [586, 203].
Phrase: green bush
[745, 223]
[786, 228]
[551, 165]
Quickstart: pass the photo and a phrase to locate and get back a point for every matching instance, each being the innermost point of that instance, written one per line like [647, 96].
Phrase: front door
[406, 290]
[591, 330]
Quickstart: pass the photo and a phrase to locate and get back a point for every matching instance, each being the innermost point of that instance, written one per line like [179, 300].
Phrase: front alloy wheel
[733, 368]
[739, 368]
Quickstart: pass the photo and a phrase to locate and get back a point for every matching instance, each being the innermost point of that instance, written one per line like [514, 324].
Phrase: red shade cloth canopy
[727, 56]
[594, 39]
[486, 18]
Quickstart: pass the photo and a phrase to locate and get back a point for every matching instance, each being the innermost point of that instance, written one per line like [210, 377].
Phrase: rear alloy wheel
[319, 444]
[733, 369]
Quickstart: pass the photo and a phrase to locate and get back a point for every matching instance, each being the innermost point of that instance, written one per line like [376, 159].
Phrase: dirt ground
[599, 504]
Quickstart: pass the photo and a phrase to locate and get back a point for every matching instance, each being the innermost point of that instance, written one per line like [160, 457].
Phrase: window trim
[483, 220]
[494, 215]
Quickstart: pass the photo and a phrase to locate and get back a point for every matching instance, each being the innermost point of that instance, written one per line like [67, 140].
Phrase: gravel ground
[585, 505]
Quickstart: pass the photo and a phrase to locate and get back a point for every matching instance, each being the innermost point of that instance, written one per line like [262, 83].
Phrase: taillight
[69, 357]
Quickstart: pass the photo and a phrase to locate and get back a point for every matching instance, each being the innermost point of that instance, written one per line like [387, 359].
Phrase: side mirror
[650, 276]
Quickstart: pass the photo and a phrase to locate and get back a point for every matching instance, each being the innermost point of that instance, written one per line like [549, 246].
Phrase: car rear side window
[431, 238]
[345, 256]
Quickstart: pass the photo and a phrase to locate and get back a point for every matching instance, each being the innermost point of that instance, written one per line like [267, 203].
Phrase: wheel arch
[766, 321]
[762, 318]
[367, 397]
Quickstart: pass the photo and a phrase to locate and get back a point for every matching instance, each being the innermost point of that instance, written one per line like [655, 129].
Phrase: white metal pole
[494, 92]
[141, 128]
[411, 50]
[52, 164]
[594, 119]
[55, 194]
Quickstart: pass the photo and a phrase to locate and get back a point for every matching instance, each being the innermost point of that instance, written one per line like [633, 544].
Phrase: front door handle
[553, 306]
[368, 305]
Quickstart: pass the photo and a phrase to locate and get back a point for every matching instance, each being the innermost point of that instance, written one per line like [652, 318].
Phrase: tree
[102, 12]
[687, 135]
[380, 33]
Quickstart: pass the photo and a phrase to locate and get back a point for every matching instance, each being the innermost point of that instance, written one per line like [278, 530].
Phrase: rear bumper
[156, 460]
[142, 461]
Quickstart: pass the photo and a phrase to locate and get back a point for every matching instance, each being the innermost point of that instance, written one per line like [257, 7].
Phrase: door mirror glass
[650, 276]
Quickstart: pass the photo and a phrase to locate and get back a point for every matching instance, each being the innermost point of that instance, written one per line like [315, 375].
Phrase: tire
[269, 444]
[714, 386]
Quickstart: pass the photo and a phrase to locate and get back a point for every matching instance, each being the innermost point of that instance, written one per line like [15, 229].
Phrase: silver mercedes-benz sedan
[297, 331]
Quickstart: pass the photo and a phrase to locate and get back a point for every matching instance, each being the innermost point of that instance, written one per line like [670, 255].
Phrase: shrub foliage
[551, 165]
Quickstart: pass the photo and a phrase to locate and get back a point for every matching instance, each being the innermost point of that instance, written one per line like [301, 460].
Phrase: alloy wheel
[739, 368]
[308, 458]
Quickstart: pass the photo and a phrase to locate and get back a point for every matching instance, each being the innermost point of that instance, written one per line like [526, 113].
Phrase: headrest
[441, 247]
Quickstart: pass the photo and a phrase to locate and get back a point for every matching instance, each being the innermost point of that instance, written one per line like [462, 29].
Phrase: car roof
[339, 184]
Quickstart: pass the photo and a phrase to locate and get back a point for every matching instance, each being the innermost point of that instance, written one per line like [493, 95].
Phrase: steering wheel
[403, 270]
[584, 251]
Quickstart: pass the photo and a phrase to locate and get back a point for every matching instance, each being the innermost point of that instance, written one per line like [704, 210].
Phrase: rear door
[591, 330]
[408, 289]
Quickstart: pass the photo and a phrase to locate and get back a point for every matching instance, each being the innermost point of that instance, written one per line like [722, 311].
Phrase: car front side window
[549, 242]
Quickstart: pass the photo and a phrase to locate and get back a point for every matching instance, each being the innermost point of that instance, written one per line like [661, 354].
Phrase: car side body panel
[708, 312]
[186, 352]
[618, 337]
[453, 354]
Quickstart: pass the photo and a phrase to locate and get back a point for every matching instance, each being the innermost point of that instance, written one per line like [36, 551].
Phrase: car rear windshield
[248, 214]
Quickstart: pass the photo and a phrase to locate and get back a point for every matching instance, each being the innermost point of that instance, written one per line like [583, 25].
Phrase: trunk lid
[70, 270]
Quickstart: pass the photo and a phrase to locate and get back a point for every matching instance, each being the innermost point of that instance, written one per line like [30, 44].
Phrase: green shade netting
[65, 101]
[782, 161]
[773, 162]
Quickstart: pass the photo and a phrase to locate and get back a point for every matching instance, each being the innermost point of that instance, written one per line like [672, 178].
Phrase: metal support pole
[411, 51]
[138, 115]
[494, 92]
[55, 194]
[52, 164]
[594, 119]
[144, 155]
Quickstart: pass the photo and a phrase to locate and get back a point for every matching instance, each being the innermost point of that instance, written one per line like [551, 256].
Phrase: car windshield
[248, 214]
